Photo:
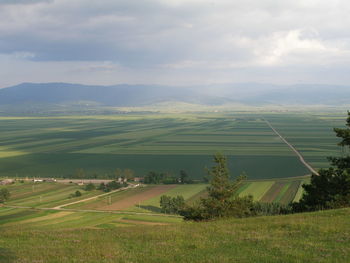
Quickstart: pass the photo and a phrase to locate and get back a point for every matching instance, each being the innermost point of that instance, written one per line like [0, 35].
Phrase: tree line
[167, 178]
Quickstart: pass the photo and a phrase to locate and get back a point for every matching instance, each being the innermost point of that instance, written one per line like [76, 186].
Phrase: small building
[50, 180]
[122, 180]
[7, 181]
[138, 179]
[38, 180]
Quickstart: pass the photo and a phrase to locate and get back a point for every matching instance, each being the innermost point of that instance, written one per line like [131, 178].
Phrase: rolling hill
[29, 94]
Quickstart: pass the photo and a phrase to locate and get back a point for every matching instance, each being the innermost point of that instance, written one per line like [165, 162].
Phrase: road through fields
[308, 166]
[97, 196]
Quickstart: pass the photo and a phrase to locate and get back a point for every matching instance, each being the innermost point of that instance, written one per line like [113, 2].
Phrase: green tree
[185, 178]
[331, 188]
[4, 195]
[220, 187]
[221, 201]
[165, 203]
[77, 193]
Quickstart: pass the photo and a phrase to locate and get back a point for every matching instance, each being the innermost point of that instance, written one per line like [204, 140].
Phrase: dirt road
[97, 196]
[308, 166]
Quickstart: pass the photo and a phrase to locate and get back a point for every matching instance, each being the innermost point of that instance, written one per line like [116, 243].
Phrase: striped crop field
[311, 135]
[280, 191]
[140, 199]
[35, 204]
[46, 194]
[50, 219]
[59, 146]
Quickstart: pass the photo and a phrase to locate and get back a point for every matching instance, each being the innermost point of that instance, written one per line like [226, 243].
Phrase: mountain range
[142, 95]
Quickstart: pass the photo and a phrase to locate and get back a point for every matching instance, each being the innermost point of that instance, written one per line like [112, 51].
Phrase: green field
[144, 199]
[45, 194]
[312, 135]
[58, 146]
[92, 237]
[279, 191]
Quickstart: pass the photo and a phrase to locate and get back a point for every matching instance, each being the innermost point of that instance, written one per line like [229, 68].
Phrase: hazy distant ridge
[139, 95]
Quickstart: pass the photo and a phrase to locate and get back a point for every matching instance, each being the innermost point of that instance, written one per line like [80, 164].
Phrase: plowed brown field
[138, 198]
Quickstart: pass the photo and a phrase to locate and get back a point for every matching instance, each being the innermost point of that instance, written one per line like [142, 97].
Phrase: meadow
[307, 237]
[59, 146]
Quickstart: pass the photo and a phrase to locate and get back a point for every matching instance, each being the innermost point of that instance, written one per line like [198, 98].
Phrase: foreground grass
[309, 237]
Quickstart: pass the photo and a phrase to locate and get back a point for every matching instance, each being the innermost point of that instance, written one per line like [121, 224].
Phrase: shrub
[4, 195]
[268, 209]
[90, 187]
[113, 185]
[171, 205]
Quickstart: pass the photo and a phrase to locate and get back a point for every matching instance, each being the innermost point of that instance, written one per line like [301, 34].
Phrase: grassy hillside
[309, 237]
[58, 146]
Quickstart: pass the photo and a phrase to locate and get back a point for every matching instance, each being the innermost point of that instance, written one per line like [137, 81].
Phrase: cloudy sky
[176, 42]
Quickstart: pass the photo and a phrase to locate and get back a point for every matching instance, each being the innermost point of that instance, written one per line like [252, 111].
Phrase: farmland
[140, 199]
[58, 146]
[143, 198]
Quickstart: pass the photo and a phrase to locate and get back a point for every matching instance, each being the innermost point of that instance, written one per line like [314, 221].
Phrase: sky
[174, 42]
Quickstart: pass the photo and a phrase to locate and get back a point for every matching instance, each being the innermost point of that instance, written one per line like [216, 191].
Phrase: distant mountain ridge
[142, 95]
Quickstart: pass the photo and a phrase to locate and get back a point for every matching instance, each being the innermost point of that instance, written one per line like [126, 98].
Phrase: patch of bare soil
[138, 198]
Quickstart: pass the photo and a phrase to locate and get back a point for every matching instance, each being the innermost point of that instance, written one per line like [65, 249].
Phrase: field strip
[94, 197]
[44, 218]
[257, 190]
[308, 166]
[92, 211]
[139, 198]
[143, 222]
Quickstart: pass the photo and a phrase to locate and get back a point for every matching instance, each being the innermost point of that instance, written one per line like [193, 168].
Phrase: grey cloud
[177, 35]
[24, 2]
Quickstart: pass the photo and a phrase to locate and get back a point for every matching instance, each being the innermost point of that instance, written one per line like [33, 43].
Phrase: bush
[209, 209]
[172, 205]
[90, 187]
[113, 185]
[269, 209]
[4, 195]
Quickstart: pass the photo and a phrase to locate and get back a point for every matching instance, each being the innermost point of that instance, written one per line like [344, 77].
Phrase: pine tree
[220, 186]
[221, 201]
